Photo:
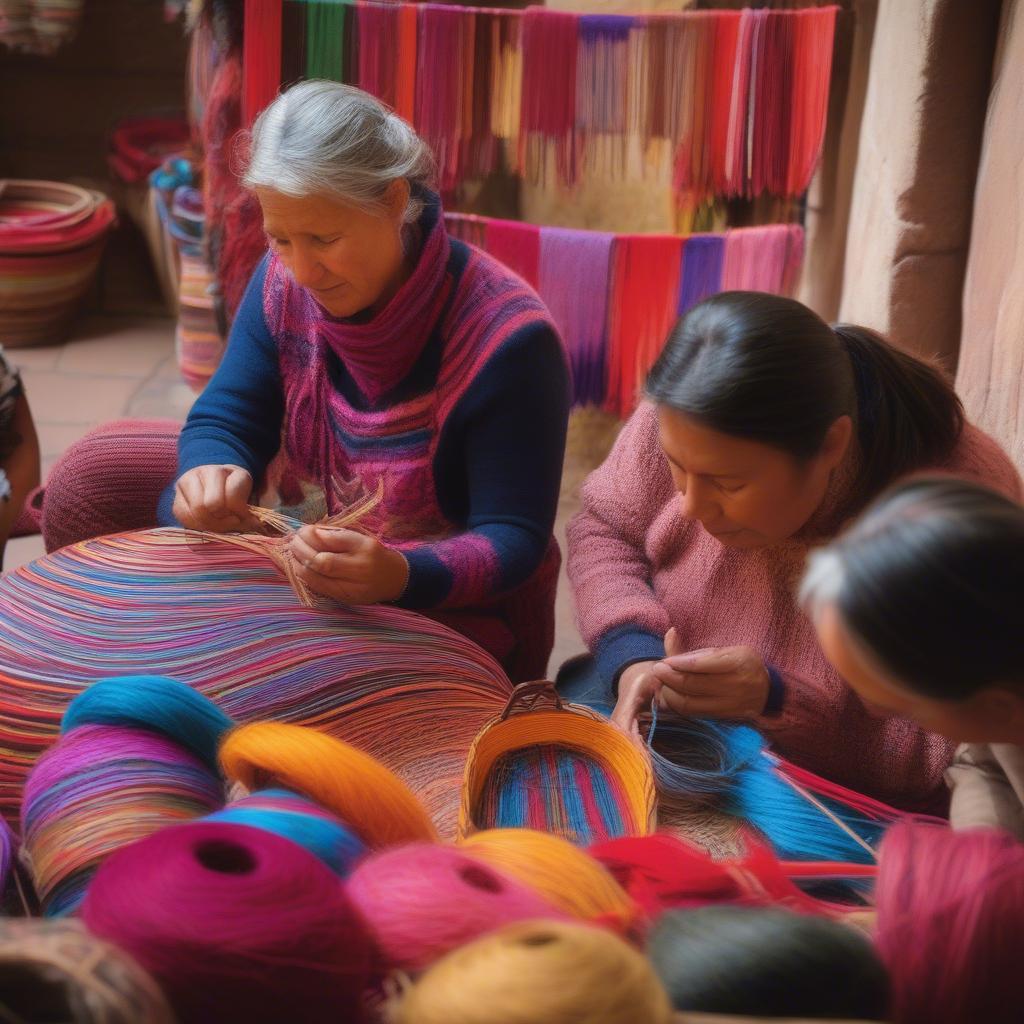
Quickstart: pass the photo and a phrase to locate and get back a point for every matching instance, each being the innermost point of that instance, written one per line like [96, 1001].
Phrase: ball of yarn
[164, 705]
[566, 876]
[300, 820]
[98, 788]
[422, 900]
[236, 924]
[767, 962]
[57, 971]
[355, 787]
[951, 924]
[539, 972]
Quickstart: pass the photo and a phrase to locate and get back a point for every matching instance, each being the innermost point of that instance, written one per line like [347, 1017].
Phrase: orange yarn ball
[567, 876]
[355, 787]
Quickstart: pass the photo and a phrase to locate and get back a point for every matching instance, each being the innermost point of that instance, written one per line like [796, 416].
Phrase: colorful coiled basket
[51, 240]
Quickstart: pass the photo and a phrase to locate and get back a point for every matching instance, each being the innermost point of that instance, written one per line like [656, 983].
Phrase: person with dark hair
[765, 432]
[920, 607]
[767, 962]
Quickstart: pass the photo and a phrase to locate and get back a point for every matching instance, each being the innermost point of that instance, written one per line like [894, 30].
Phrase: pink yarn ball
[234, 923]
[423, 900]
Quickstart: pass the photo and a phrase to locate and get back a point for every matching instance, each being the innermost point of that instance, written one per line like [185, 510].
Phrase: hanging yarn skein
[58, 971]
[423, 900]
[737, 99]
[539, 972]
[136, 755]
[225, 622]
[951, 924]
[355, 787]
[566, 876]
[615, 297]
[235, 923]
[300, 820]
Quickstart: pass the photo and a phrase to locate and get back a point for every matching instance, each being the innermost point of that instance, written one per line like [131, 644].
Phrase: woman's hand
[216, 499]
[720, 682]
[348, 566]
[637, 687]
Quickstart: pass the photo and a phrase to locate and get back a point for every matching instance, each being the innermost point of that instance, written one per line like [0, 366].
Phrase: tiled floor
[125, 367]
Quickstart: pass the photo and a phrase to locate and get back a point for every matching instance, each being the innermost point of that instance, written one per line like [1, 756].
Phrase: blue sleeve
[624, 646]
[237, 418]
[511, 424]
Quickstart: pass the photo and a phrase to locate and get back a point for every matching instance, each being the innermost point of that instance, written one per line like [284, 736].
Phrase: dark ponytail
[768, 369]
[908, 416]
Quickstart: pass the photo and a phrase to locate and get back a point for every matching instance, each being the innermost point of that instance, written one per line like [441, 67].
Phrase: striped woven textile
[404, 688]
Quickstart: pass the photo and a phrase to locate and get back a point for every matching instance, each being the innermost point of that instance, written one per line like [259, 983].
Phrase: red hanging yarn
[726, 35]
[443, 35]
[234, 222]
[405, 87]
[261, 56]
[378, 27]
[548, 111]
[644, 294]
[517, 245]
[812, 69]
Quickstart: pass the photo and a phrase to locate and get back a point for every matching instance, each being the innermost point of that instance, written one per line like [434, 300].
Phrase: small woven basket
[536, 715]
[52, 237]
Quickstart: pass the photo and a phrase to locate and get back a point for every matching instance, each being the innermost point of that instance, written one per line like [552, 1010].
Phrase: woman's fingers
[237, 492]
[695, 707]
[695, 684]
[214, 498]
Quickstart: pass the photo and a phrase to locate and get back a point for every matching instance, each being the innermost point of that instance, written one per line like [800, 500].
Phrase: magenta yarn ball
[423, 900]
[234, 923]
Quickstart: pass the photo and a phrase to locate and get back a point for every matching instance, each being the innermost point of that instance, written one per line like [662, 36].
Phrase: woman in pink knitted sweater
[765, 432]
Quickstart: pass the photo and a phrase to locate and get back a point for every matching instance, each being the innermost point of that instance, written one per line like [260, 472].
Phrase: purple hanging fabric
[575, 282]
[703, 256]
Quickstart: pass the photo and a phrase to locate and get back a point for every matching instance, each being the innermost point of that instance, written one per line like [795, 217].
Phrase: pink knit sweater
[637, 567]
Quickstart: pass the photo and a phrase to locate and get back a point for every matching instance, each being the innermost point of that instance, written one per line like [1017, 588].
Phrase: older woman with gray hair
[372, 350]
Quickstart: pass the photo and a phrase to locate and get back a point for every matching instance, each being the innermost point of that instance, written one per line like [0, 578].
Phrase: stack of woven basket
[51, 240]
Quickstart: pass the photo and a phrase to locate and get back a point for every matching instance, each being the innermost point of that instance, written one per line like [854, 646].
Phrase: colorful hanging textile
[574, 283]
[739, 97]
[615, 297]
[644, 297]
[702, 270]
[517, 245]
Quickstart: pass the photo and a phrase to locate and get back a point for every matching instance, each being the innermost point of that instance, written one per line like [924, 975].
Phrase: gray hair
[323, 138]
[823, 580]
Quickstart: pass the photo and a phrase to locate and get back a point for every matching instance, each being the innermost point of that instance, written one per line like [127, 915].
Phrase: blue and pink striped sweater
[469, 442]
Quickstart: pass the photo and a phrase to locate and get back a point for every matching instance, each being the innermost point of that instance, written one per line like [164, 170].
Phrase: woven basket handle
[532, 697]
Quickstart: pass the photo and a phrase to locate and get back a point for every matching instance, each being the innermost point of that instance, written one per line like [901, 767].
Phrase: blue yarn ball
[300, 820]
[158, 703]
